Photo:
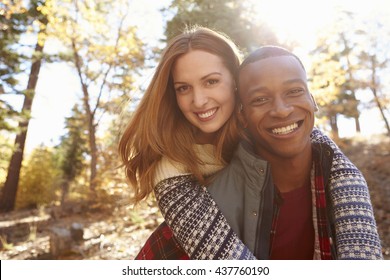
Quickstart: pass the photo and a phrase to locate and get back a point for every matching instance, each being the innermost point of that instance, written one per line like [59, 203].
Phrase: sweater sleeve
[193, 216]
[204, 233]
[196, 221]
[356, 232]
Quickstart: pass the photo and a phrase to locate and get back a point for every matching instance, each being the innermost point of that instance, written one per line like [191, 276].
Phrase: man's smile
[283, 130]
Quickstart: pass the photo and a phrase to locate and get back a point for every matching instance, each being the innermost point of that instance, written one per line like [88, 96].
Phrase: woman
[185, 128]
[185, 122]
[166, 126]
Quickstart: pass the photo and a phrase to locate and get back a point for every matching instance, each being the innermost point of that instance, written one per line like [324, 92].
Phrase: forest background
[72, 72]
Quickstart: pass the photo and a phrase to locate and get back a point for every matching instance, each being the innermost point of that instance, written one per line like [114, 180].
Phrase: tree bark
[90, 120]
[8, 197]
[352, 80]
[381, 110]
[357, 124]
[376, 97]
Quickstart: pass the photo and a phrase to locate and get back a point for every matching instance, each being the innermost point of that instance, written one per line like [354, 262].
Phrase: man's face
[277, 106]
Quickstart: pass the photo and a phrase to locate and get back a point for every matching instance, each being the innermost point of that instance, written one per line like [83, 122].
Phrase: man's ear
[241, 116]
[315, 103]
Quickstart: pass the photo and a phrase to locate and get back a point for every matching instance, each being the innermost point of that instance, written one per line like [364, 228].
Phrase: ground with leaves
[118, 232]
[109, 233]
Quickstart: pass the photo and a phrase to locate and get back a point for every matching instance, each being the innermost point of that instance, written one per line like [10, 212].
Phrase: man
[279, 194]
[278, 111]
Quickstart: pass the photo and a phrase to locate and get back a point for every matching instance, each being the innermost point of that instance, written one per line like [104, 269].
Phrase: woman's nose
[200, 98]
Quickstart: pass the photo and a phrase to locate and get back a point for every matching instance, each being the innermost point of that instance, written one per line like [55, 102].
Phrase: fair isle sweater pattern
[356, 231]
[204, 233]
[197, 222]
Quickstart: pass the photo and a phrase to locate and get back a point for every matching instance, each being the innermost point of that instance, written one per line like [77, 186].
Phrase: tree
[104, 52]
[38, 180]
[7, 201]
[13, 23]
[5, 155]
[354, 52]
[334, 71]
[234, 18]
[326, 80]
[374, 65]
[72, 149]
[351, 86]
[374, 59]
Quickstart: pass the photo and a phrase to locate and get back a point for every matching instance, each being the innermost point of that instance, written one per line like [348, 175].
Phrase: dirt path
[116, 235]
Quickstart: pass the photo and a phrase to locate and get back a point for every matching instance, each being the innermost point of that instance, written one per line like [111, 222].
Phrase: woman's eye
[181, 89]
[212, 82]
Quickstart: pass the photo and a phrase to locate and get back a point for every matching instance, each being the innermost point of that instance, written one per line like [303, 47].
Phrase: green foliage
[110, 176]
[233, 17]
[16, 20]
[71, 151]
[39, 178]
[73, 146]
[110, 50]
[5, 155]
[105, 52]
[28, 20]
[12, 24]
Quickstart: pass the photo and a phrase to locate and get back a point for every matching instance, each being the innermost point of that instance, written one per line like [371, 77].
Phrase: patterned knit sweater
[203, 232]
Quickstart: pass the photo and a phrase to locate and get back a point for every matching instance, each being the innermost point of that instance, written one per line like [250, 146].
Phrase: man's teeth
[207, 114]
[286, 129]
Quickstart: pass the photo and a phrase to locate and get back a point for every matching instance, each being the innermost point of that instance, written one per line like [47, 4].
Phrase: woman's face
[204, 92]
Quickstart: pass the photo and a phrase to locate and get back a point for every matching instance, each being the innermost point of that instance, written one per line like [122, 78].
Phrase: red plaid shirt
[162, 245]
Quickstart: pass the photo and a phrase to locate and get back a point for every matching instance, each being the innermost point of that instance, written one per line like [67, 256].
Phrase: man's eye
[259, 100]
[296, 91]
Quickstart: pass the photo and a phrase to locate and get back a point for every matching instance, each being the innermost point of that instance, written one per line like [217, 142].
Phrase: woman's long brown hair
[158, 128]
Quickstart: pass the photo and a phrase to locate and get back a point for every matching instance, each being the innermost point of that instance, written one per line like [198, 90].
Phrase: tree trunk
[64, 191]
[8, 198]
[374, 92]
[356, 111]
[357, 124]
[379, 105]
[352, 82]
[91, 138]
[91, 126]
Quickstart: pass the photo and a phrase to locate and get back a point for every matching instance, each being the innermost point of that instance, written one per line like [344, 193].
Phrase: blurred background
[72, 72]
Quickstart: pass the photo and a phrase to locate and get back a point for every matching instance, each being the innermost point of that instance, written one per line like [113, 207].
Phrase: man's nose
[281, 109]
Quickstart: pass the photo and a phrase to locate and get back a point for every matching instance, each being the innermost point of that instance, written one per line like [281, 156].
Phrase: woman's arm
[197, 222]
[204, 233]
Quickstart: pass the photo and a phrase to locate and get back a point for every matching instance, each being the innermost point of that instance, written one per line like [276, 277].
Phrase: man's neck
[292, 173]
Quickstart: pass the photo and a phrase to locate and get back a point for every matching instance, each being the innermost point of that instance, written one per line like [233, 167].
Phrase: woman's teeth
[207, 114]
[285, 130]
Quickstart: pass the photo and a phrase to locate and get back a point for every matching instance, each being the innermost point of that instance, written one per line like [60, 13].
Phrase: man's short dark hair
[266, 52]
